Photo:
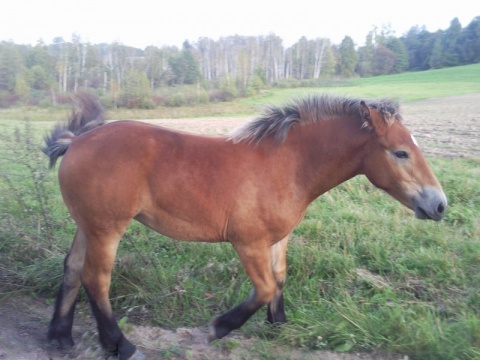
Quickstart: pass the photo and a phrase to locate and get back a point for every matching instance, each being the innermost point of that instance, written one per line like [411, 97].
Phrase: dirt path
[447, 127]
[24, 321]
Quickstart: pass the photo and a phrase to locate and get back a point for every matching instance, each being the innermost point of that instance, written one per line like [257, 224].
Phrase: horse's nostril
[440, 208]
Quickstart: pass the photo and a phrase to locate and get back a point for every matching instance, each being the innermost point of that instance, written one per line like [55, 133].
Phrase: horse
[250, 188]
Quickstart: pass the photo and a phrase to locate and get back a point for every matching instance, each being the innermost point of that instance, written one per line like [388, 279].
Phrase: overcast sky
[141, 23]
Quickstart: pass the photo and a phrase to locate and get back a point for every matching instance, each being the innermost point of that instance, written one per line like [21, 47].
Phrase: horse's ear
[372, 121]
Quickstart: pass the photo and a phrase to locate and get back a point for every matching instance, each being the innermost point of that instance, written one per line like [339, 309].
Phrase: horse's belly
[182, 228]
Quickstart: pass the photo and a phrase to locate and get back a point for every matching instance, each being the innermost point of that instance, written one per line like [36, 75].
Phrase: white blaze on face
[414, 140]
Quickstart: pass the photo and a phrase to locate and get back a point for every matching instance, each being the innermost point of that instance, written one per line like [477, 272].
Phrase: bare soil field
[447, 127]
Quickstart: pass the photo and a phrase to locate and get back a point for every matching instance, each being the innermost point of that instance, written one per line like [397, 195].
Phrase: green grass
[363, 273]
[406, 86]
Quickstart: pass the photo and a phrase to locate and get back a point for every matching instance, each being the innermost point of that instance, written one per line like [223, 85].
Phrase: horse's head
[395, 163]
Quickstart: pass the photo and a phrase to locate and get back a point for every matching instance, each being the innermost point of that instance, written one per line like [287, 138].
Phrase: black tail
[87, 114]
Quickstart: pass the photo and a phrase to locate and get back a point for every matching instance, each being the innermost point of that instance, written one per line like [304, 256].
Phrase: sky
[141, 23]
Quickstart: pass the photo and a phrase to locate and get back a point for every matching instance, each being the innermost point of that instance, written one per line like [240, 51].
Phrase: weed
[171, 352]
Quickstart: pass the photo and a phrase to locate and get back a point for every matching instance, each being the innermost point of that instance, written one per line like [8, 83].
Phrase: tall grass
[363, 273]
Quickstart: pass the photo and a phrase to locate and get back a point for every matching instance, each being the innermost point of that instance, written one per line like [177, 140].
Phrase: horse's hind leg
[257, 263]
[61, 325]
[96, 277]
[275, 310]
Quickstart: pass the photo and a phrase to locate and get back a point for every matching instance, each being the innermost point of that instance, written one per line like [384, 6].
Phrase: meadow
[364, 275]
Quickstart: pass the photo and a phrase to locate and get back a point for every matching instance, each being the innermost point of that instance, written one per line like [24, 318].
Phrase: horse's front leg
[276, 310]
[257, 263]
[96, 277]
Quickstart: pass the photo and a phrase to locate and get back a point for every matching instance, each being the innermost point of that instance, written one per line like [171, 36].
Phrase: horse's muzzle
[430, 204]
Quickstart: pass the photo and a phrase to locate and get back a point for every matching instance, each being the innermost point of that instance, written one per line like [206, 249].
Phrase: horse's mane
[276, 121]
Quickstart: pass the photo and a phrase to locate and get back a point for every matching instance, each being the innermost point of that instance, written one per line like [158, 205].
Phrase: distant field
[406, 87]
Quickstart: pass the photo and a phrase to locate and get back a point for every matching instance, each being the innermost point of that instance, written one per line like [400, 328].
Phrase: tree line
[219, 70]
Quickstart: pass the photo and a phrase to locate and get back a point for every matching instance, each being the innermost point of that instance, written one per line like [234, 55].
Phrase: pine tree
[347, 58]
[450, 44]
[401, 55]
[469, 42]
[184, 66]
[365, 57]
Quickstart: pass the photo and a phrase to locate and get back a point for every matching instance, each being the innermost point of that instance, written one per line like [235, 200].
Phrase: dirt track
[447, 127]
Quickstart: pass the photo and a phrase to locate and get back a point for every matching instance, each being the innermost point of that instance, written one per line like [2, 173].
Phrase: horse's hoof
[218, 329]
[137, 355]
[212, 334]
[65, 341]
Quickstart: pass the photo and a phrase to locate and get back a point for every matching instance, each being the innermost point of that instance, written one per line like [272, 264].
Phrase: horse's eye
[401, 154]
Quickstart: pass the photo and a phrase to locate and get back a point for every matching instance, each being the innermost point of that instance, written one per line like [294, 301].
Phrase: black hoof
[277, 320]
[123, 350]
[65, 341]
[217, 330]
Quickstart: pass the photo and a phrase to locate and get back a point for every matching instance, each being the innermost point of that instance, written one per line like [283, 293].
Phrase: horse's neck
[329, 154]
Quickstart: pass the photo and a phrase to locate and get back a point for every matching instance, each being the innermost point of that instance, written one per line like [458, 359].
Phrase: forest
[208, 70]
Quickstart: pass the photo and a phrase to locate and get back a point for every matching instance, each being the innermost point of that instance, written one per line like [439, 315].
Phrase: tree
[397, 47]
[299, 59]
[11, 65]
[39, 55]
[347, 58]
[184, 66]
[22, 86]
[436, 58]
[136, 92]
[273, 58]
[469, 42]
[365, 57]
[450, 44]
[156, 63]
[413, 44]
[383, 60]
[328, 60]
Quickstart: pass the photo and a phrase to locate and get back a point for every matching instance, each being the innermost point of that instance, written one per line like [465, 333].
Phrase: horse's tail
[87, 113]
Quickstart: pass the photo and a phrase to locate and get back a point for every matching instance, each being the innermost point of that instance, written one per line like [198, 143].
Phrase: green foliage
[400, 53]
[33, 221]
[365, 57]
[348, 58]
[470, 42]
[184, 66]
[136, 91]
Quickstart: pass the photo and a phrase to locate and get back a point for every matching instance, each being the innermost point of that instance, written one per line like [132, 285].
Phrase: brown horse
[250, 189]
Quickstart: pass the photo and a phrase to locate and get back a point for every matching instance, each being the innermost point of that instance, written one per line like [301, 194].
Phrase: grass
[406, 86]
[364, 274]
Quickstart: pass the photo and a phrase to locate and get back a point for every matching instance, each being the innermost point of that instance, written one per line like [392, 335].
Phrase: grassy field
[364, 275]
[406, 86]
